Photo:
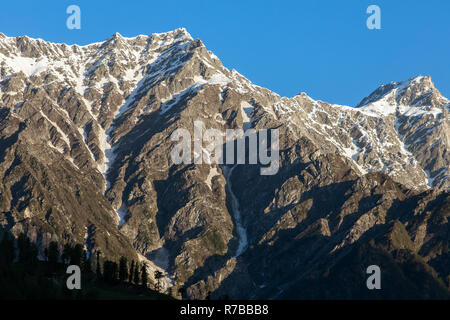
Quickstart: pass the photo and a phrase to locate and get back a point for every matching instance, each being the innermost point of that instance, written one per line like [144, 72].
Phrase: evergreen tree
[7, 250]
[66, 254]
[144, 276]
[110, 272]
[158, 276]
[130, 279]
[27, 253]
[137, 279]
[98, 271]
[76, 255]
[85, 263]
[33, 259]
[181, 291]
[123, 269]
[114, 273]
[23, 242]
[52, 256]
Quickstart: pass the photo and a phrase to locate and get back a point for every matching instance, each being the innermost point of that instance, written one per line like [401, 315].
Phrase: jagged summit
[418, 86]
[178, 33]
[415, 96]
[121, 81]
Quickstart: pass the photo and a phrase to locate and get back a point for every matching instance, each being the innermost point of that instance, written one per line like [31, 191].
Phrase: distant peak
[181, 30]
[426, 80]
[177, 33]
[419, 80]
[419, 84]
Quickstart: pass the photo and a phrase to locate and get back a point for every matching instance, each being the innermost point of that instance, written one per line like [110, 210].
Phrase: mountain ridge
[102, 116]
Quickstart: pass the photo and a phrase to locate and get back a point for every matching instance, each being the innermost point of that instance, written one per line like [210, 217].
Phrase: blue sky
[322, 48]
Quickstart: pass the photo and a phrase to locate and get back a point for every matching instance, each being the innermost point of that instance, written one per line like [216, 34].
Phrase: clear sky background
[319, 47]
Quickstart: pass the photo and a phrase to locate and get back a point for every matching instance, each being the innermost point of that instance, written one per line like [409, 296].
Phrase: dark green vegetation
[25, 277]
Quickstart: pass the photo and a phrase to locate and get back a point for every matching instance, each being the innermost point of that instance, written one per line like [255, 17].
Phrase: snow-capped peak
[420, 84]
[414, 96]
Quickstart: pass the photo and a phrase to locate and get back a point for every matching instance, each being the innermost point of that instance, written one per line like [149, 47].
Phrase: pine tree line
[19, 260]
[133, 273]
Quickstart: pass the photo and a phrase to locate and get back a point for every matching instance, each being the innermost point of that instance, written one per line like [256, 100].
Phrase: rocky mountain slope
[85, 157]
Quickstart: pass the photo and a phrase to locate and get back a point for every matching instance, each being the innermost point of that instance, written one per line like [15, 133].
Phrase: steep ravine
[241, 231]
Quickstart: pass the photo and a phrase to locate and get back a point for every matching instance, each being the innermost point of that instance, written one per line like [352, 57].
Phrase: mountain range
[85, 142]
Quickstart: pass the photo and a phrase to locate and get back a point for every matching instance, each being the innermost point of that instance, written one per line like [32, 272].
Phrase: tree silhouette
[137, 279]
[85, 263]
[27, 253]
[144, 276]
[181, 291]
[7, 250]
[123, 269]
[130, 278]
[110, 272]
[98, 271]
[158, 276]
[52, 255]
[67, 251]
[76, 255]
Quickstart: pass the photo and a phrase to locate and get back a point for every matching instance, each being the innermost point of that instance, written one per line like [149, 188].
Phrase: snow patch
[219, 78]
[242, 232]
[247, 110]
[212, 173]
[122, 213]
[61, 133]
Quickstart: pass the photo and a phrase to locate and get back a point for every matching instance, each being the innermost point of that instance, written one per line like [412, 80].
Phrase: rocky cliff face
[85, 142]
